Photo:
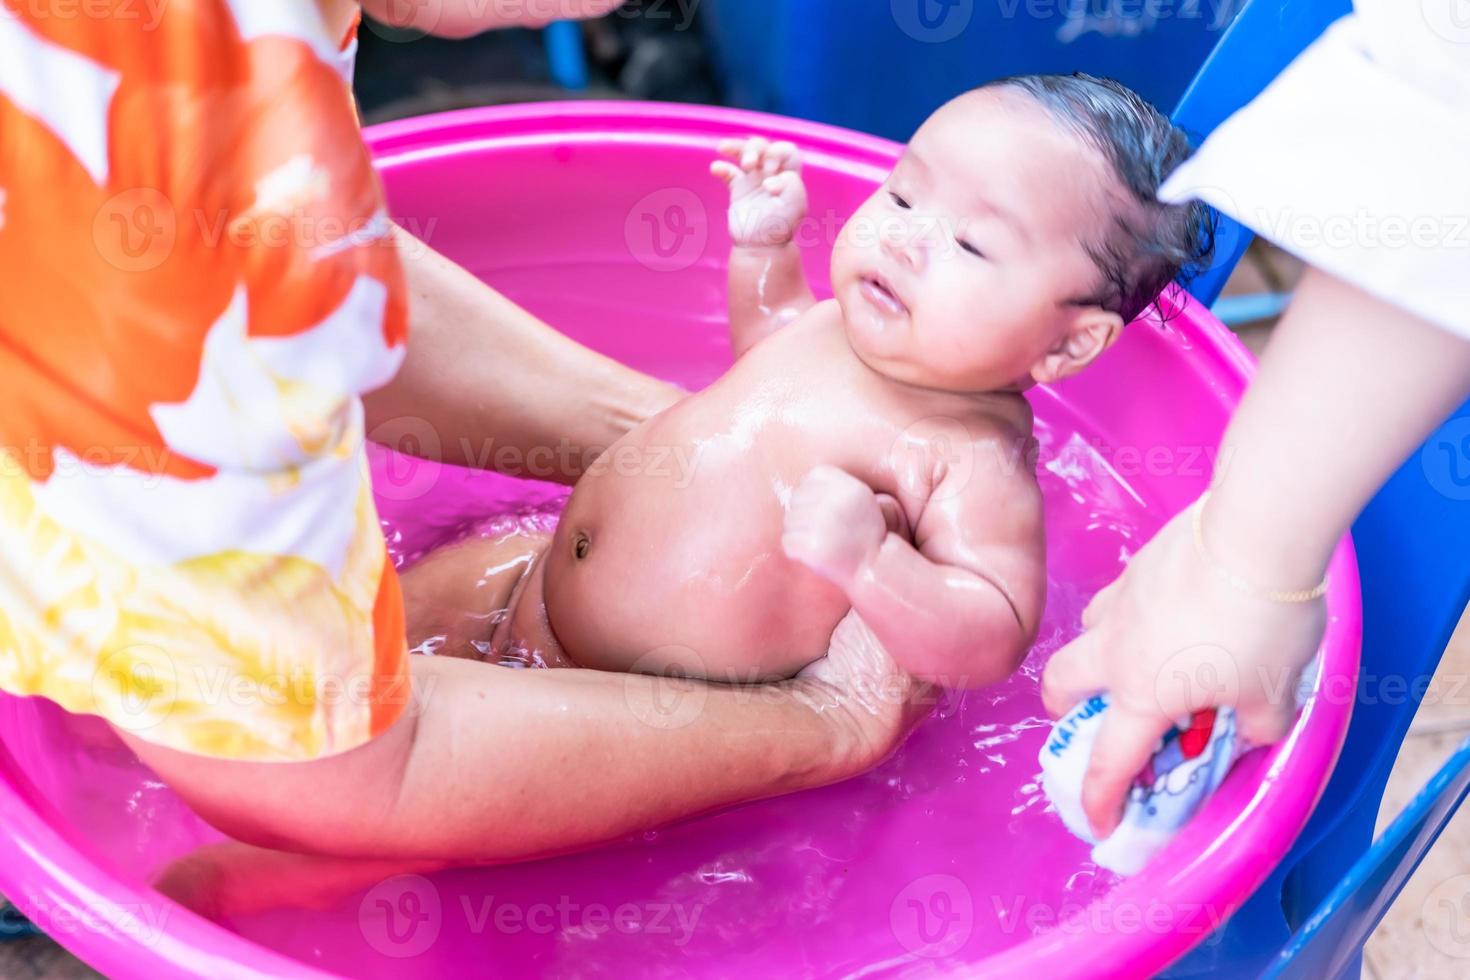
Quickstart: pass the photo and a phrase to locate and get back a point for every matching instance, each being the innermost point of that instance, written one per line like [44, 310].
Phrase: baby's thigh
[454, 596]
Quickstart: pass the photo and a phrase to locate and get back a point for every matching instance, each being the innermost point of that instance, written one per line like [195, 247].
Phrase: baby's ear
[1092, 331]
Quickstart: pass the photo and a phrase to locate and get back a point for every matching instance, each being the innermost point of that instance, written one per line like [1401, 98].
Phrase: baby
[870, 451]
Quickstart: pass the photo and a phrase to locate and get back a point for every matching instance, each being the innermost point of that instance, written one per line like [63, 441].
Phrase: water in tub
[943, 854]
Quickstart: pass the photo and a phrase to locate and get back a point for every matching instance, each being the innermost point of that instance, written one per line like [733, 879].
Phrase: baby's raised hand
[767, 196]
[835, 524]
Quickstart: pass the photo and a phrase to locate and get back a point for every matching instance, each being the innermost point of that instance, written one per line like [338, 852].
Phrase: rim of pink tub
[1212, 867]
[1235, 843]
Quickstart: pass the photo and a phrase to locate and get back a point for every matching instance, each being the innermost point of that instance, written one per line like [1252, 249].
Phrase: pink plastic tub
[602, 219]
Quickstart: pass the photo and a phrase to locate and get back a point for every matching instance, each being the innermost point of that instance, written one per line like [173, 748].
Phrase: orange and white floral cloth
[196, 285]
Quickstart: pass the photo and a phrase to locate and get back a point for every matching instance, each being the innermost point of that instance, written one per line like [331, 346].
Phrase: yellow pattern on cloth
[201, 284]
[234, 655]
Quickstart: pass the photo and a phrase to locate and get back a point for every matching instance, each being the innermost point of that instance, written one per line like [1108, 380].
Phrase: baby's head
[1017, 235]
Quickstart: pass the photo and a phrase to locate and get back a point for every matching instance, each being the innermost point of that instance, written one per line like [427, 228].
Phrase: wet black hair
[1156, 242]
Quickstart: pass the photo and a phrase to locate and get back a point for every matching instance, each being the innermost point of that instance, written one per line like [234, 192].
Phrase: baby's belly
[681, 569]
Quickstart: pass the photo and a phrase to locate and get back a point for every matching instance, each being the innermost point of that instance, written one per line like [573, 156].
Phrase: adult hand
[1169, 637]
[1348, 388]
[863, 692]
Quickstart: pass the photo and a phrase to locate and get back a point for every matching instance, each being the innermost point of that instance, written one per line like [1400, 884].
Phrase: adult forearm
[486, 384]
[1348, 388]
[630, 752]
[494, 765]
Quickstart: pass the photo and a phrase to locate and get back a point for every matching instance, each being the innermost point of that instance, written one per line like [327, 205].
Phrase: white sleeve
[1355, 157]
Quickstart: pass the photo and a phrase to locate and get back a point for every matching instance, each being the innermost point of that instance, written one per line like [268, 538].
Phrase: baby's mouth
[877, 292]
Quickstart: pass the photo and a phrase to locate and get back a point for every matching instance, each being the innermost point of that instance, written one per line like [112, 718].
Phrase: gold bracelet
[1238, 583]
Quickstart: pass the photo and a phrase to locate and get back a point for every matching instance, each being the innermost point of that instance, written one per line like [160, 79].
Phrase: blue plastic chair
[1311, 918]
[566, 55]
[1328, 944]
[881, 66]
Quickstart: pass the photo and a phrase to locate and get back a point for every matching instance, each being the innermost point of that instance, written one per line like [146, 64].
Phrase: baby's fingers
[725, 170]
[821, 481]
[754, 149]
[786, 184]
[782, 157]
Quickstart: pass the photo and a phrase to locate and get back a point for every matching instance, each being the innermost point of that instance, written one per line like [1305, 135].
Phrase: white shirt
[1357, 157]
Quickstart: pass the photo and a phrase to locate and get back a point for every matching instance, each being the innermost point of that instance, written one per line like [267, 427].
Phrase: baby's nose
[905, 243]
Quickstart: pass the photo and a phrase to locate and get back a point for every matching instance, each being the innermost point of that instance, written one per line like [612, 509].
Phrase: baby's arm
[961, 605]
[768, 287]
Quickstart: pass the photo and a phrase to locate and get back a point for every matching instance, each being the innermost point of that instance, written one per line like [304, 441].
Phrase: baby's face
[967, 266]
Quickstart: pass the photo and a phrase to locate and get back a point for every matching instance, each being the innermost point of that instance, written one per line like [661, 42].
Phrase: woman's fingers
[1074, 672]
[1266, 723]
[1124, 744]
[1101, 603]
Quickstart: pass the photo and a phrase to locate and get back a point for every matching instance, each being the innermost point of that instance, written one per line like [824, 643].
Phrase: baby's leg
[456, 597]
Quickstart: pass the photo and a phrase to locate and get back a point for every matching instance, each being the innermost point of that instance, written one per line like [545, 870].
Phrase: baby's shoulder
[1003, 455]
[975, 448]
[1003, 427]
[823, 319]
[811, 330]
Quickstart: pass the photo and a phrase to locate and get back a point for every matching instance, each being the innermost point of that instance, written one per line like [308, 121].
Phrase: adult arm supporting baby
[767, 283]
[488, 385]
[463, 776]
